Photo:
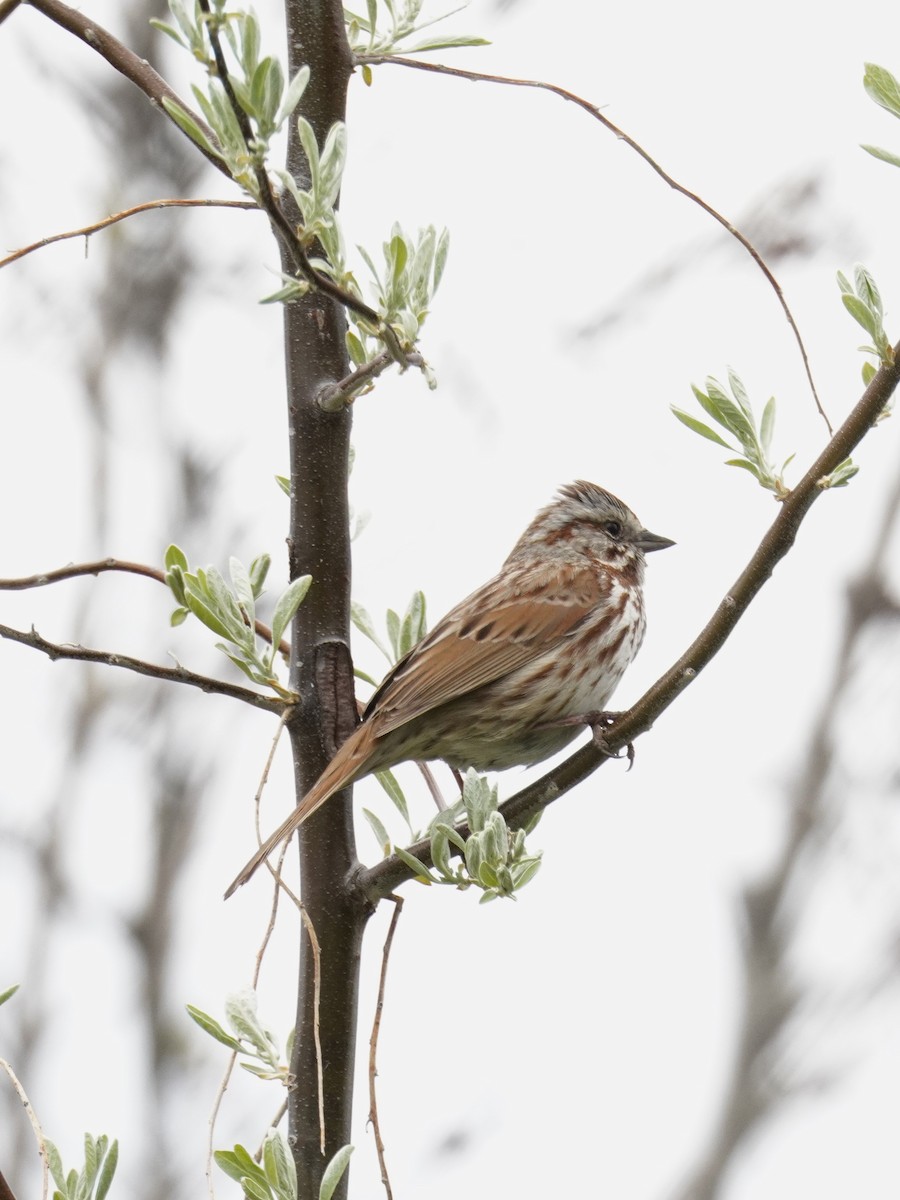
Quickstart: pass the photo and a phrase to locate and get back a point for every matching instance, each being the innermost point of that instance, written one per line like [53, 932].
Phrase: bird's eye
[614, 529]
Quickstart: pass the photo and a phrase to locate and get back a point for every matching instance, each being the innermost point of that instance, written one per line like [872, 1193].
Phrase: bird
[508, 675]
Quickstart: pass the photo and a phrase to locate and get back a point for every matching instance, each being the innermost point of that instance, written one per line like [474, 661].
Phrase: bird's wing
[488, 635]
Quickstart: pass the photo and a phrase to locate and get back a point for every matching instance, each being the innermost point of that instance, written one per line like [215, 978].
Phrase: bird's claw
[600, 723]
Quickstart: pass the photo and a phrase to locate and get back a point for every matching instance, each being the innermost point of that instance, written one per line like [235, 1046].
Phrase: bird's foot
[600, 724]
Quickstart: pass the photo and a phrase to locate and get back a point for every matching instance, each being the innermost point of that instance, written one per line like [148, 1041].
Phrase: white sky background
[577, 1040]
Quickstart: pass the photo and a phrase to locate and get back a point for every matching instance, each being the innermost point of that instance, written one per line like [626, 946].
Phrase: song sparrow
[498, 682]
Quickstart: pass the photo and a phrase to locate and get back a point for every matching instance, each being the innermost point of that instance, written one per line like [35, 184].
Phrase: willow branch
[594, 111]
[74, 570]
[335, 396]
[147, 206]
[283, 228]
[379, 881]
[219, 687]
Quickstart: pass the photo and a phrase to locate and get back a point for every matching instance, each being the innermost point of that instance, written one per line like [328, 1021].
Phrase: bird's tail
[344, 768]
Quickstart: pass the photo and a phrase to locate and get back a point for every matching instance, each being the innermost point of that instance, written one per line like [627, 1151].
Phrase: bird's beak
[648, 541]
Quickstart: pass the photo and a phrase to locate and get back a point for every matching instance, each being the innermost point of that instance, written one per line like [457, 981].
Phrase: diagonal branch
[379, 881]
[219, 687]
[595, 112]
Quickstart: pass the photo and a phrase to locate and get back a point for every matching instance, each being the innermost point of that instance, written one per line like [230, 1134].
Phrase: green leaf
[292, 96]
[393, 627]
[240, 1008]
[10, 991]
[107, 1171]
[382, 837]
[188, 124]
[363, 622]
[860, 313]
[419, 870]
[388, 781]
[333, 1172]
[440, 851]
[698, 427]
[884, 155]
[259, 569]
[288, 603]
[54, 1162]
[279, 1166]
[210, 618]
[767, 424]
[175, 557]
[240, 579]
[746, 465]
[446, 43]
[882, 87]
[209, 1025]
[237, 1164]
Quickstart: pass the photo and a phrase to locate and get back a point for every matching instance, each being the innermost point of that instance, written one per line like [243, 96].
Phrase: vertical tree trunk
[319, 544]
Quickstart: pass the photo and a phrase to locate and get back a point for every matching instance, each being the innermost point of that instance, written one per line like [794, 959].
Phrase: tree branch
[147, 206]
[218, 687]
[74, 570]
[594, 111]
[380, 880]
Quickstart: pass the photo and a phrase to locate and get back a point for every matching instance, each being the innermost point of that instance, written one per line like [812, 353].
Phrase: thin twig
[264, 779]
[373, 1044]
[380, 880]
[35, 1125]
[594, 111]
[432, 784]
[270, 927]
[219, 687]
[75, 570]
[335, 396]
[147, 206]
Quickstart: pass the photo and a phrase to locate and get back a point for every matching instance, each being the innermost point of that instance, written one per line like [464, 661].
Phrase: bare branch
[336, 396]
[35, 1125]
[373, 1044]
[379, 881]
[594, 111]
[167, 674]
[74, 570]
[147, 206]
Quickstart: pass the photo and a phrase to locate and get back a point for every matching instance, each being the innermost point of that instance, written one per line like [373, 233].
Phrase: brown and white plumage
[546, 639]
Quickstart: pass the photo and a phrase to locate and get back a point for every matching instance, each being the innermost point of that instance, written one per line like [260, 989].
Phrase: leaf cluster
[93, 1181]
[276, 1177]
[257, 82]
[734, 414]
[884, 89]
[249, 1037]
[230, 610]
[367, 39]
[862, 301]
[493, 858]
